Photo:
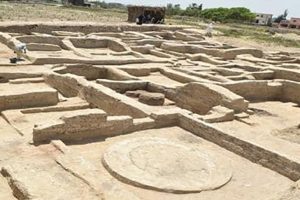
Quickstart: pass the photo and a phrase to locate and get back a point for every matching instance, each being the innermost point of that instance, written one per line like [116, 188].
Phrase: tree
[200, 7]
[173, 9]
[282, 16]
[194, 5]
[238, 14]
[177, 6]
[193, 10]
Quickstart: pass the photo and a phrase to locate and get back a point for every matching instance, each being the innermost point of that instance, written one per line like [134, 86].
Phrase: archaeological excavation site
[152, 112]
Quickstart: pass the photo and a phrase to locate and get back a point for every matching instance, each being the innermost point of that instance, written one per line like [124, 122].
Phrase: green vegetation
[223, 15]
[103, 4]
[228, 14]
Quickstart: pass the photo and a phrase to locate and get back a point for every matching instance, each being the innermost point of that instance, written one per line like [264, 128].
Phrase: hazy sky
[275, 7]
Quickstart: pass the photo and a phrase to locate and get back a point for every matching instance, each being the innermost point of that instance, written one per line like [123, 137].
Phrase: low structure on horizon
[135, 11]
[263, 19]
[292, 23]
[77, 2]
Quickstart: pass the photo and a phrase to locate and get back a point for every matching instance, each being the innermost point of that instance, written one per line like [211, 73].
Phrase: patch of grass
[278, 40]
[231, 32]
[259, 35]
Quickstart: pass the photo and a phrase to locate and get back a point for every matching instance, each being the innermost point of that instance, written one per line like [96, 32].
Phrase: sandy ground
[22, 13]
[16, 12]
[291, 36]
[240, 42]
[249, 181]
[5, 53]
[269, 118]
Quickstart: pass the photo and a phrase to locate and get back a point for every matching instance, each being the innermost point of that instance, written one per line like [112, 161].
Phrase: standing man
[209, 30]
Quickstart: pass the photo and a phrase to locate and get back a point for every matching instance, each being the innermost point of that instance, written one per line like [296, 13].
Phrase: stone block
[154, 99]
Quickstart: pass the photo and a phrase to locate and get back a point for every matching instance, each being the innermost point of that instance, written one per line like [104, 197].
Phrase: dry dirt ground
[18, 12]
[127, 112]
[15, 12]
[265, 46]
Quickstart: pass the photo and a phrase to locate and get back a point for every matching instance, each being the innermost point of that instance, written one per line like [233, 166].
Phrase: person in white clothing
[209, 30]
[19, 49]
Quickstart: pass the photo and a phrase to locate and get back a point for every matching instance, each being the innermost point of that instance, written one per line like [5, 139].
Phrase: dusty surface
[146, 159]
[246, 181]
[269, 120]
[268, 126]
[5, 53]
[161, 79]
[145, 112]
[291, 134]
[241, 42]
[55, 13]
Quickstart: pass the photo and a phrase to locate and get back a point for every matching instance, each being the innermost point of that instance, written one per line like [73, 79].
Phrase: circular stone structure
[160, 164]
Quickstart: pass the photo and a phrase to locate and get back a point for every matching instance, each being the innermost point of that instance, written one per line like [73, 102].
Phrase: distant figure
[148, 19]
[140, 19]
[20, 49]
[158, 18]
[209, 30]
[161, 21]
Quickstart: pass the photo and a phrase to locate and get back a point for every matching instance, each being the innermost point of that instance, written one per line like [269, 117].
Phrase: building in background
[294, 23]
[77, 2]
[284, 23]
[135, 11]
[263, 19]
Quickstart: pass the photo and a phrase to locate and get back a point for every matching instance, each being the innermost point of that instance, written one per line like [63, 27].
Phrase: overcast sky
[275, 7]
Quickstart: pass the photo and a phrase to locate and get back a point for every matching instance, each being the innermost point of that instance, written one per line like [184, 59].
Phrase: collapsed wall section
[201, 98]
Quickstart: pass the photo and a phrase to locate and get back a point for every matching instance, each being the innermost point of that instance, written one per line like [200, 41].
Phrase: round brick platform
[160, 164]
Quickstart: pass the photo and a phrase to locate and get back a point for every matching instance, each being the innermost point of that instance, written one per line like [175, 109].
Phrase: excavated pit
[145, 112]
